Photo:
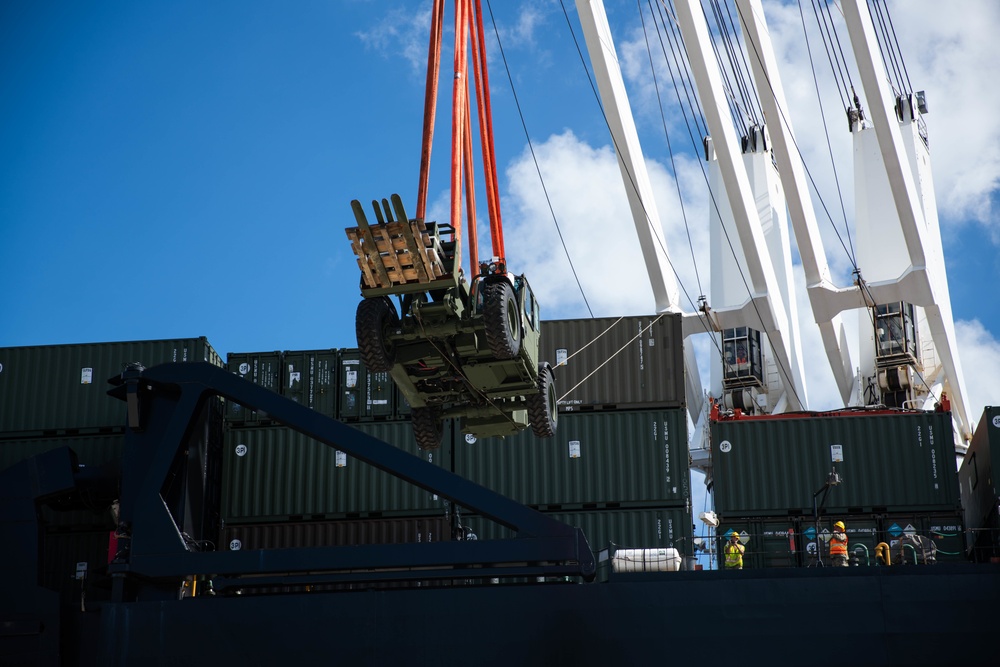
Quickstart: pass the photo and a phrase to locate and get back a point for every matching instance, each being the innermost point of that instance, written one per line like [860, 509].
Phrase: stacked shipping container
[618, 466]
[894, 481]
[55, 396]
[981, 490]
[282, 489]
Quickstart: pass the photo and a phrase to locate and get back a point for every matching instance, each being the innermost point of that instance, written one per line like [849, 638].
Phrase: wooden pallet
[395, 252]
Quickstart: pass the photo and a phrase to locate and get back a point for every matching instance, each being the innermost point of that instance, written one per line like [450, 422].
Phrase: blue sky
[185, 169]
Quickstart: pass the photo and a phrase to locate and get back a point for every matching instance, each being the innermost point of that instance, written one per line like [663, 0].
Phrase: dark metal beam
[171, 398]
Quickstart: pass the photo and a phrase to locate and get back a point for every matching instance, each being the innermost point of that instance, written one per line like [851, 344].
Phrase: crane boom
[768, 305]
[800, 207]
[638, 189]
[924, 282]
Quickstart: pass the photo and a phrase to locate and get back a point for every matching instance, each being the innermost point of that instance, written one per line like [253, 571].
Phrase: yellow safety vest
[734, 555]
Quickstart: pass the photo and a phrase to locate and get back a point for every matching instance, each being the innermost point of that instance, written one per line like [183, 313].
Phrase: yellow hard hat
[839, 524]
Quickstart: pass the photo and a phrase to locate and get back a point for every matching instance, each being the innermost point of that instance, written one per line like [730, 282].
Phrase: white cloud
[523, 32]
[586, 192]
[948, 53]
[953, 55]
[980, 353]
[587, 195]
[401, 33]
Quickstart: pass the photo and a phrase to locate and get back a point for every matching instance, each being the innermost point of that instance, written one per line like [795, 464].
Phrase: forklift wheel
[503, 321]
[543, 413]
[374, 319]
[427, 427]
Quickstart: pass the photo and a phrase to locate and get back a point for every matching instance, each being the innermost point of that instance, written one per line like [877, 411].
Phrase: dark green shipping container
[980, 488]
[310, 378]
[886, 462]
[288, 534]
[613, 363]
[364, 395]
[261, 368]
[651, 528]
[595, 460]
[91, 450]
[791, 542]
[275, 473]
[52, 389]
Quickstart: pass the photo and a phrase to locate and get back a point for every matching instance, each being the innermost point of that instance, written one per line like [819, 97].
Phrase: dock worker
[734, 552]
[838, 545]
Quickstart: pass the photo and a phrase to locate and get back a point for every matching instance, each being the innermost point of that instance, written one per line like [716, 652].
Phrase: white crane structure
[907, 350]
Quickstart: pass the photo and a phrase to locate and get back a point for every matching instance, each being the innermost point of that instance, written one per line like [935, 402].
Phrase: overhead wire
[840, 75]
[673, 269]
[670, 150]
[677, 47]
[746, 66]
[618, 151]
[789, 385]
[895, 39]
[749, 101]
[887, 55]
[740, 115]
[612, 355]
[534, 158]
[867, 296]
[849, 246]
[886, 49]
[836, 40]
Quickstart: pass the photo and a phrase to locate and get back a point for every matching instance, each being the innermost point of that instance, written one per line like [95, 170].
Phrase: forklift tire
[374, 318]
[427, 427]
[503, 320]
[543, 413]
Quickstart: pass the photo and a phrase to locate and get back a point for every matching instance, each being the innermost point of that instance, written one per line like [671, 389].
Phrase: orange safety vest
[838, 545]
[734, 555]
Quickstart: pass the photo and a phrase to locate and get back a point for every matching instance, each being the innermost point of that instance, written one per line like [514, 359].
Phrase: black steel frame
[164, 404]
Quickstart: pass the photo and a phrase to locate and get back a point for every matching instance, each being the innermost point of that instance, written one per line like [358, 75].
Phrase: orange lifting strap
[468, 15]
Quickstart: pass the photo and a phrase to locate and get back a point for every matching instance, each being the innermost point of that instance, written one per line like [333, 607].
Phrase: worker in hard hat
[734, 552]
[838, 545]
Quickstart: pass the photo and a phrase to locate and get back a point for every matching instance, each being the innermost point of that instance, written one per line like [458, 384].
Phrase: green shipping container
[286, 535]
[275, 473]
[886, 462]
[944, 529]
[310, 378]
[792, 541]
[766, 542]
[261, 368]
[863, 536]
[364, 395]
[651, 528]
[980, 487]
[595, 460]
[54, 389]
[616, 363]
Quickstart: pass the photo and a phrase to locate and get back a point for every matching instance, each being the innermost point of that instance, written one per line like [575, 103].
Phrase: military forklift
[457, 349]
